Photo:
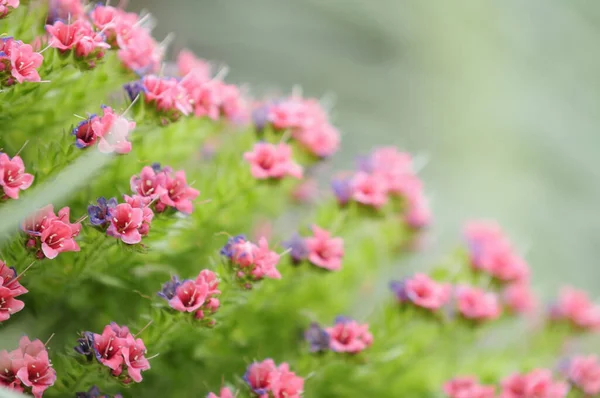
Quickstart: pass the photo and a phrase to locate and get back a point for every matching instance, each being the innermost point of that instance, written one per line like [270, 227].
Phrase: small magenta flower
[133, 352]
[468, 387]
[84, 133]
[262, 377]
[65, 37]
[7, 6]
[317, 338]
[272, 161]
[13, 177]
[298, 248]
[189, 296]
[125, 223]
[59, 236]
[225, 393]
[8, 304]
[210, 279]
[24, 63]
[100, 214]
[109, 345]
[170, 288]
[369, 189]
[349, 336]
[265, 261]
[150, 183]
[324, 251]
[424, 292]
[288, 385]
[8, 279]
[177, 193]
[10, 363]
[584, 373]
[37, 373]
[477, 304]
[141, 202]
[322, 141]
[113, 132]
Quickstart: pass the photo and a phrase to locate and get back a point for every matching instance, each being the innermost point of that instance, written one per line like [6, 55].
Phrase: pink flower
[322, 140]
[65, 9]
[427, 293]
[8, 304]
[177, 193]
[272, 161]
[37, 373]
[4, 6]
[31, 348]
[139, 51]
[167, 95]
[12, 176]
[210, 279]
[474, 303]
[8, 279]
[113, 131]
[187, 62]
[59, 235]
[575, 306]
[467, 387]
[288, 384]
[394, 166]
[10, 363]
[66, 37]
[349, 336]
[265, 261]
[141, 202]
[104, 18]
[325, 251]
[24, 63]
[369, 189]
[519, 298]
[133, 352]
[225, 393]
[297, 114]
[233, 106]
[584, 372]
[189, 296]
[262, 377]
[36, 224]
[125, 223]
[536, 384]
[108, 345]
[150, 183]
[419, 213]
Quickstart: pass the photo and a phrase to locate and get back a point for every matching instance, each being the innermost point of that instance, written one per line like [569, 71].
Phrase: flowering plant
[187, 176]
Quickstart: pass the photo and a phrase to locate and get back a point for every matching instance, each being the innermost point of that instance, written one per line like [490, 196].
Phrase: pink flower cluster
[18, 62]
[27, 368]
[250, 261]
[110, 131]
[468, 387]
[6, 6]
[349, 336]
[423, 292]
[13, 177]
[267, 380]
[81, 38]
[536, 384]
[384, 175]
[51, 234]
[584, 373]
[198, 296]
[272, 161]
[166, 188]
[574, 306]
[116, 348]
[130, 221]
[194, 93]
[477, 304]
[305, 119]
[321, 249]
[9, 289]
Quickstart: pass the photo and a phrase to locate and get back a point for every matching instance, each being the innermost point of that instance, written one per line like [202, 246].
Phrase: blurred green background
[501, 97]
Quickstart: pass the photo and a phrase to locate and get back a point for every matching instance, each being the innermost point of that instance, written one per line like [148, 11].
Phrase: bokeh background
[501, 98]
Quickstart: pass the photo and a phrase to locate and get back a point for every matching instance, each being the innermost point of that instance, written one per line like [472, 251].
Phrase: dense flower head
[51, 234]
[27, 368]
[423, 292]
[18, 62]
[13, 177]
[491, 251]
[100, 213]
[576, 307]
[325, 251]
[117, 349]
[468, 387]
[252, 261]
[584, 373]
[272, 161]
[266, 379]
[536, 384]
[477, 304]
[347, 335]
[6, 6]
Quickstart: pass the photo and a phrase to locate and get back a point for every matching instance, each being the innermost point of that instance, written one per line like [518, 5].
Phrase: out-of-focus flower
[349, 336]
[272, 161]
[325, 251]
[317, 338]
[13, 177]
[468, 387]
[477, 304]
[225, 393]
[423, 291]
[576, 307]
[537, 383]
[125, 222]
[584, 373]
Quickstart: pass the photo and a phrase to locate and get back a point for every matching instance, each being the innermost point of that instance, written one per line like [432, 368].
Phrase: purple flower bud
[299, 250]
[168, 289]
[85, 346]
[134, 89]
[227, 250]
[100, 215]
[342, 190]
[317, 337]
[398, 288]
[260, 116]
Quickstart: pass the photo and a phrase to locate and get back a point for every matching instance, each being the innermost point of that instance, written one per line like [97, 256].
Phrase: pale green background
[502, 98]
